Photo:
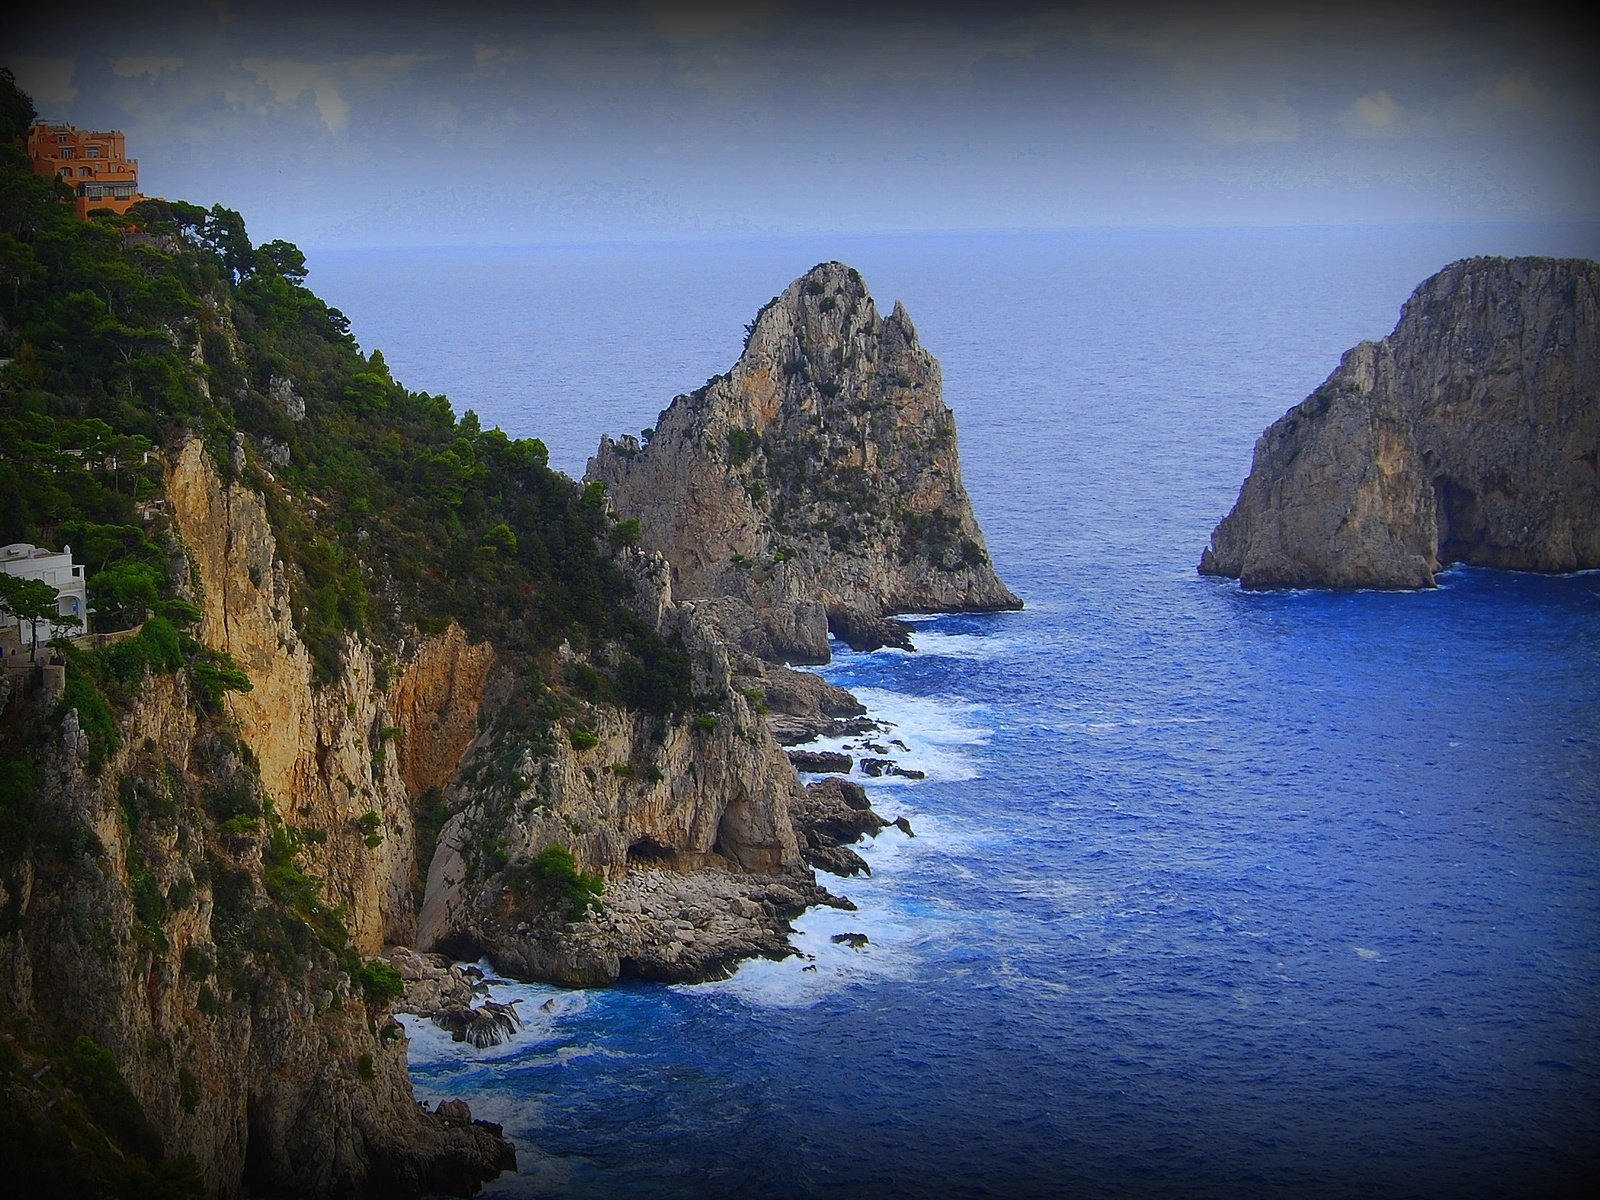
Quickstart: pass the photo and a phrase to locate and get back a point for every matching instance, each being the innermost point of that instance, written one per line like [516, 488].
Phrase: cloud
[289, 80]
[132, 66]
[47, 80]
[1245, 120]
[497, 56]
[1518, 92]
[1374, 115]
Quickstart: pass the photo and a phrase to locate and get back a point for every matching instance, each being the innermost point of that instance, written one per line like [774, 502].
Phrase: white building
[60, 572]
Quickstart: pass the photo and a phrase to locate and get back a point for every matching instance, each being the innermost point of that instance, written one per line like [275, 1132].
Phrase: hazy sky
[372, 124]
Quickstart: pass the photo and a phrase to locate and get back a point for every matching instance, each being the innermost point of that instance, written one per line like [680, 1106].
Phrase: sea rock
[1467, 435]
[876, 767]
[488, 1025]
[834, 813]
[819, 760]
[661, 925]
[815, 486]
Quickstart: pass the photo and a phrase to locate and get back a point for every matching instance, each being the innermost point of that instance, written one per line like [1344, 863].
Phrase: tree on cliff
[32, 601]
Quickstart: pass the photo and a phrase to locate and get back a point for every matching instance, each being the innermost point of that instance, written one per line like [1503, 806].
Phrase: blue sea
[1212, 894]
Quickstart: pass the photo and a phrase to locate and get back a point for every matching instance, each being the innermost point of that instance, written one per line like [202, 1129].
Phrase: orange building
[95, 165]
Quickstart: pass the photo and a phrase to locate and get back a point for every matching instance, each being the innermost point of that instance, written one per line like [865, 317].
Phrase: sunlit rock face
[815, 485]
[1467, 435]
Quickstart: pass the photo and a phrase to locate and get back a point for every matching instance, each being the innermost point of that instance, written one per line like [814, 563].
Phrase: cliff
[814, 486]
[197, 887]
[686, 818]
[1467, 435]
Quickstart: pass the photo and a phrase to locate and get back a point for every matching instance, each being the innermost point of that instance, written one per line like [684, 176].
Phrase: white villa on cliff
[58, 570]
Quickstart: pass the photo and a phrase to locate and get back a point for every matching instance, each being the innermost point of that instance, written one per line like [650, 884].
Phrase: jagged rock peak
[816, 484]
[1467, 435]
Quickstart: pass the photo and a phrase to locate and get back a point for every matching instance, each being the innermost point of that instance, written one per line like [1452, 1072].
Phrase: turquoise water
[1212, 893]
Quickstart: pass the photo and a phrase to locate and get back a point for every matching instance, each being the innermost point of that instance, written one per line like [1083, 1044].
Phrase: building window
[123, 191]
[66, 172]
[92, 152]
[85, 172]
[69, 152]
[63, 138]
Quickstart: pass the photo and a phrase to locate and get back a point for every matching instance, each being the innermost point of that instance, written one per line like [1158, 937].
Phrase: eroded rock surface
[816, 486]
[1467, 435]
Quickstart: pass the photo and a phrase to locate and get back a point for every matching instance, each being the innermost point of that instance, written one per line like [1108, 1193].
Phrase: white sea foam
[823, 966]
[936, 733]
[971, 646]
[431, 1045]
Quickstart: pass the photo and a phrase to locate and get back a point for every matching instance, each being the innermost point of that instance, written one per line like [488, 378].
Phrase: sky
[350, 124]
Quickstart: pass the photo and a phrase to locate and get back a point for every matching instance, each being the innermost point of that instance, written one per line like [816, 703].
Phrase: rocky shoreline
[685, 926]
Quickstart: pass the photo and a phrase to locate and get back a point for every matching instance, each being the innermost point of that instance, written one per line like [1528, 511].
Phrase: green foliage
[371, 826]
[582, 738]
[110, 1101]
[94, 714]
[705, 722]
[553, 875]
[380, 983]
[120, 595]
[742, 444]
[196, 963]
[19, 786]
[625, 533]
[365, 1067]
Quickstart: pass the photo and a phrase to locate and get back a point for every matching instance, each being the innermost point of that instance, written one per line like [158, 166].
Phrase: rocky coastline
[814, 489]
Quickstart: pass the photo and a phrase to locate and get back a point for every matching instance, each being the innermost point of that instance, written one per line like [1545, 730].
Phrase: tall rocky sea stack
[1468, 435]
[815, 486]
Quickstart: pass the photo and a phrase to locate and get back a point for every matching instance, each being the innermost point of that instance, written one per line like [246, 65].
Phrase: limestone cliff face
[817, 482]
[328, 755]
[704, 795]
[134, 922]
[1467, 435]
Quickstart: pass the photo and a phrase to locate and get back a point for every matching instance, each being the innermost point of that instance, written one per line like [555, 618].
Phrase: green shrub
[554, 873]
[371, 826]
[583, 739]
[110, 1101]
[379, 982]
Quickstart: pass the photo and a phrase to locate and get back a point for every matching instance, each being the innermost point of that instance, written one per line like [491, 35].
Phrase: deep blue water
[1212, 893]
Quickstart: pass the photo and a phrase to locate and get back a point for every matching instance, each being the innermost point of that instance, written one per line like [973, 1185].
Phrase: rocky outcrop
[705, 795]
[814, 486]
[833, 814]
[1467, 435]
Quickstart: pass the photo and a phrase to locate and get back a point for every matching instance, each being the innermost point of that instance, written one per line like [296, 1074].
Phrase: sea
[1211, 893]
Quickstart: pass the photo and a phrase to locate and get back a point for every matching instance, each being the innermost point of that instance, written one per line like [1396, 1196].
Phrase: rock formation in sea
[1467, 435]
[815, 486]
